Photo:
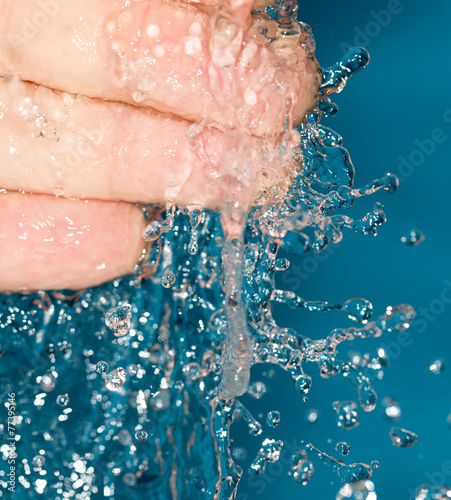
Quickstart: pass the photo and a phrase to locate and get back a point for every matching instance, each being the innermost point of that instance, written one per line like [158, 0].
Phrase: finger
[78, 147]
[53, 243]
[153, 53]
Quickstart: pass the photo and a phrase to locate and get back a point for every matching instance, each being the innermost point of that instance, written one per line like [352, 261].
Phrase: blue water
[163, 431]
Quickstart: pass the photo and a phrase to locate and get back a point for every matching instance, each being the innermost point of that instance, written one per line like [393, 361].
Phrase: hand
[97, 106]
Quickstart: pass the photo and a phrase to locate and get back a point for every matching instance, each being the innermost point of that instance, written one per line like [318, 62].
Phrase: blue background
[386, 111]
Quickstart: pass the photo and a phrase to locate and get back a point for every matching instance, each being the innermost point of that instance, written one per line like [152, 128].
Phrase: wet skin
[104, 105]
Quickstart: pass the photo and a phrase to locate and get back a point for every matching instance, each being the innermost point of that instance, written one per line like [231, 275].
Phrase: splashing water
[193, 330]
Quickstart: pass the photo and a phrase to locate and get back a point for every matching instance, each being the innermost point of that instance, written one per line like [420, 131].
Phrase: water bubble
[257, 389]
[303, 383]
[273, 418]
[115, 379]
[38, 461]
[402, 437]
[102, 367]
[239, 453]
[342, 448]
[153, 231]
[132, 370]
[312, 415]
[28, 420]
[161, 400]
[62, 400]
[47, 382]
[360, 490]
[437, 366]
[118, 319]
[424, 492]
[413, 238]
[168, 280]
[129, 479]
[358, 309]
[304, 472]
[392, 410]
[141, 435]
[348, 417]
[124, 437]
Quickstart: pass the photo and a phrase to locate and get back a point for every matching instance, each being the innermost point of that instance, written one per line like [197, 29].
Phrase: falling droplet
[153, 231]
[124, 437]
[28, 420]
[168, 280]
[161, 400]
[273, 418]
[358, 309]
[118, 319]
[374, 464]
[413, 238]
[141, 435]
[437, 366]
[62, 400]
[342, 448]
[102, 367]
[132, 370]
[402, 437]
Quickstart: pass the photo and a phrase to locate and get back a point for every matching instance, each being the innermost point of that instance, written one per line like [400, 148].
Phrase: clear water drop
[303, 383]
[168, 280]
[273, 418]
[402, 437]
[413, 238]
[141, 435]
[360, 490]
[257, 389]
[102, 367]
[118, 319]
[437, 366]
[392, 410]
[38, 461]
[62, 400]
[304, 473]
[47, 382]
[342, 448]
[348, 417]
[115, 379]
[312, 415]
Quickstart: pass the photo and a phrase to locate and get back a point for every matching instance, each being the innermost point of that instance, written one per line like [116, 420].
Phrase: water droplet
[28, 420]
[360, 490]
[342, 448]
[161, 400]
[304, 472]
[257, 390]
[124, 437]
[168, 280]
[358, 309]
[312, 415]
[115, 379]
[413, 238]
[179, 386]
[118, 319]
[424, 492]
[62, 400]
[402, 437]
[239, 453]
[374, 464]
[348, 417]
[153, 231]
[102, 367]
[303, 383]
[132, 370]
[47, 382]
[273, 418]
[192, 370]
[141, 435]
[129, 479]
[392, 410]
[437, 366]
[38, 461]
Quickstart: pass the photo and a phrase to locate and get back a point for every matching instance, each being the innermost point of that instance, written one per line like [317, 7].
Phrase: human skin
[98, 104]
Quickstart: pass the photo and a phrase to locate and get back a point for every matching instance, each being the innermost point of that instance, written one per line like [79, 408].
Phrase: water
[193, 331]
